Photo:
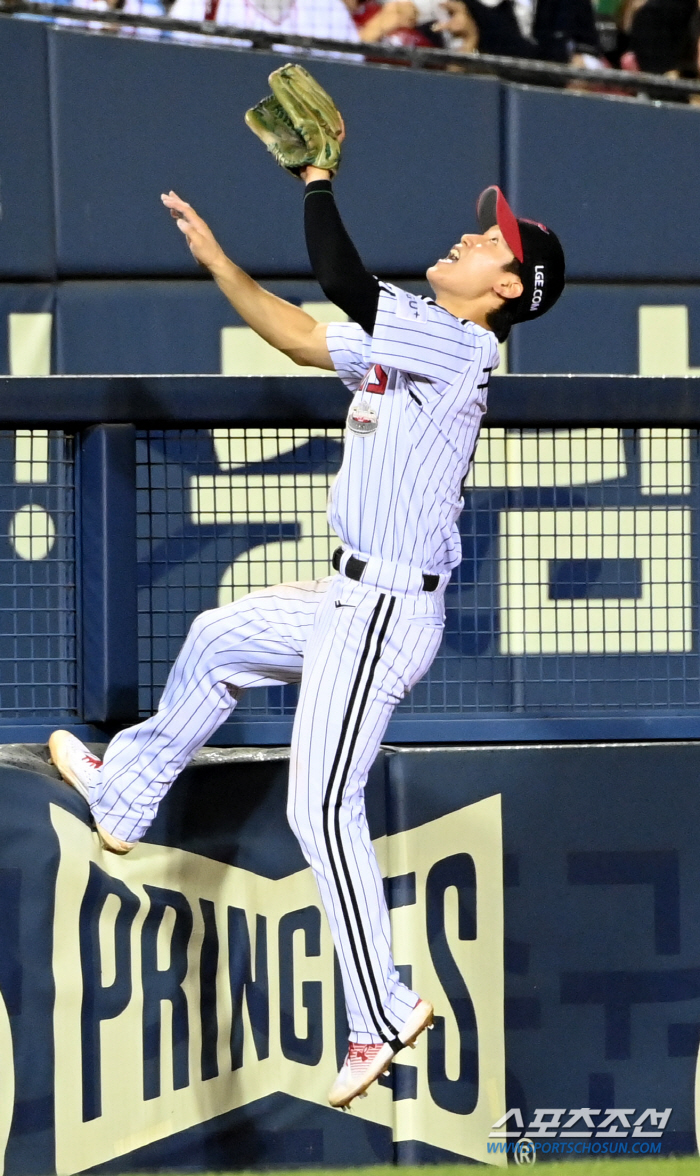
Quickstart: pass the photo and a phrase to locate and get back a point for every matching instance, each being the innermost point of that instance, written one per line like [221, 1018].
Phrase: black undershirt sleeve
[335, 260]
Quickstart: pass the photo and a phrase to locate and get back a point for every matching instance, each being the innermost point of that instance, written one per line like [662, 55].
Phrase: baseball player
[357, 641]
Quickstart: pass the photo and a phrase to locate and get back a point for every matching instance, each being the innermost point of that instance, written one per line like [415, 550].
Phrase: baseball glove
[299, 122]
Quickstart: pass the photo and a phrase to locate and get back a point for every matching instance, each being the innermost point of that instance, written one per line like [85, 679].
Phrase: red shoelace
[360, 1056]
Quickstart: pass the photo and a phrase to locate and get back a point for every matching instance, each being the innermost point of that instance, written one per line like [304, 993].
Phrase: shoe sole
[421, 1018]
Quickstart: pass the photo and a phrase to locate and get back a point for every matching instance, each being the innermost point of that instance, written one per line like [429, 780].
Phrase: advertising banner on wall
[181, 1007]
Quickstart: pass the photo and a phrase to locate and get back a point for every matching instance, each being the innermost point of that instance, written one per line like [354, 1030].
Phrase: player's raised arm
[303, 130]
[337, 265]
[286, 327]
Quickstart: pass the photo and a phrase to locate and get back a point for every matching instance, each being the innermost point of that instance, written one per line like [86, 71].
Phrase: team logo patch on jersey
[375, 381]
[362, 419]
[411, 307]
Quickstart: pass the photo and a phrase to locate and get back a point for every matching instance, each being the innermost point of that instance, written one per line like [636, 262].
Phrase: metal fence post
[109, 584]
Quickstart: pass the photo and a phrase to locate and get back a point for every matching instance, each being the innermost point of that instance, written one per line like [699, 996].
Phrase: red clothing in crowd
[413, 38]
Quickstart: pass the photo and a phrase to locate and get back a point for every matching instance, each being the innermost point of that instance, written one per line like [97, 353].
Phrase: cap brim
[493, 209]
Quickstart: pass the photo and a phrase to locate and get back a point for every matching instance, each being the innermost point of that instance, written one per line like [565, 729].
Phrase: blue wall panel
[26, 212]
[149, 327]
[601, 904]
[615, 178]
[133, 119]
[139, 327]
[124, 327]
[152, 327]
[594, 329]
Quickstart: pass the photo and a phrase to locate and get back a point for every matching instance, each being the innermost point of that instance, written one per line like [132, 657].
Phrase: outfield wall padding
[611, 176]
[164, 116]
[180, 1007]
[27, 241]
[98, 126]
[157, 326]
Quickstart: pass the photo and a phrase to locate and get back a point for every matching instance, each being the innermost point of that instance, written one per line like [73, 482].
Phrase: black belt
[355, 567]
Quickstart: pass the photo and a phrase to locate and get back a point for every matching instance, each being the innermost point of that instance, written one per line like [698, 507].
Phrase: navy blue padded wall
[157, 326]
[599, 966]
[152, 327]
[21, 298]
[26, 224]
[149, 327]
[134, 118]
[594, 329]
[615, 178]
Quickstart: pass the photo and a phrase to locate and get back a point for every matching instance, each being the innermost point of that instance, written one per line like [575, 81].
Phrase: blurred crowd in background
[654, 36]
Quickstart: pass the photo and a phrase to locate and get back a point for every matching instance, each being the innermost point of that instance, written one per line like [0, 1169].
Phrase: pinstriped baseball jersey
[423, 376]
[357, 647]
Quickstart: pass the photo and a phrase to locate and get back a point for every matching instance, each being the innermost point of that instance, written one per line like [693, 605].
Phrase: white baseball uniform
[356, 646]
[305, 18]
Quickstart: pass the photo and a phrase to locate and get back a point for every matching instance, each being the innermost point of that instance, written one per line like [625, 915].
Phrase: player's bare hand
[203, 244]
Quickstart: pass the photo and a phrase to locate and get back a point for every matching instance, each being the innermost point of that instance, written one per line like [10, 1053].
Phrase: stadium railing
[129, 504]
[513, 69]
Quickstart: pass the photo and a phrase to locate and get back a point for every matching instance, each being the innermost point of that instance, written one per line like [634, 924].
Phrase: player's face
[473, 266]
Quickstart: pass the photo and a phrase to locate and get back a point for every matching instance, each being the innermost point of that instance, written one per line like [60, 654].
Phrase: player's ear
[508, 285]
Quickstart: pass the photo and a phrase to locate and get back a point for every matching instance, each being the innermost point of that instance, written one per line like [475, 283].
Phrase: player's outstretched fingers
[179, 208]
[202, 242]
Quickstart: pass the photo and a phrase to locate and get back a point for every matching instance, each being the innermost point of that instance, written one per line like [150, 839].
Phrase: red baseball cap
[536, 247]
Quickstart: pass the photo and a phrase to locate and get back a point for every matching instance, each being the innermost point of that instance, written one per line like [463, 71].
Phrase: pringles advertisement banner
[181, 1007]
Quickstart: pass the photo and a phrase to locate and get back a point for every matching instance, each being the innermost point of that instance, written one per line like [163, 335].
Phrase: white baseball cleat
[78, 766]
[365, 1063]
[81, 769]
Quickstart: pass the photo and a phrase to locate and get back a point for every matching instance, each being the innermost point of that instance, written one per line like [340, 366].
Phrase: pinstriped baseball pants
[356, 651]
